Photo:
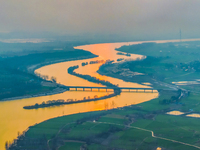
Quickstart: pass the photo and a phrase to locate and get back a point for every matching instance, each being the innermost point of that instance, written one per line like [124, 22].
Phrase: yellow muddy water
[15, 119]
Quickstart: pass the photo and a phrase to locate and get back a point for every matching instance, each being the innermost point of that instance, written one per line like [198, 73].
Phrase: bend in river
[15, 119]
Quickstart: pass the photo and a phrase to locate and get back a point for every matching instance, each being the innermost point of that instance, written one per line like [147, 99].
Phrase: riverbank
[32, 68]
[49, 90]
[52, 92]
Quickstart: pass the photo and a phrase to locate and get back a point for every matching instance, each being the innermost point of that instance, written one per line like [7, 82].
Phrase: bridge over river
[103, 89]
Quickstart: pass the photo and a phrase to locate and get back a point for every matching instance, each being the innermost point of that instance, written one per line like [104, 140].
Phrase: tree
[53, 79]
[6, 145]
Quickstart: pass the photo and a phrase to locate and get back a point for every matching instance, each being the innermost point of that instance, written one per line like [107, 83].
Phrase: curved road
[152, 134]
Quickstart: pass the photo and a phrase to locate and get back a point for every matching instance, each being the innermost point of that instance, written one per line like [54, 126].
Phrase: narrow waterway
[15, 119]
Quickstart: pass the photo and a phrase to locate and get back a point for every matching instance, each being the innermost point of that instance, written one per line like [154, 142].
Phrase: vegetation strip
[63, 102]
[89, 78]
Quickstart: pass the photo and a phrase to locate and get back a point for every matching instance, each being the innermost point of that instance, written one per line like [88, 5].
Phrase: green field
[71, 146]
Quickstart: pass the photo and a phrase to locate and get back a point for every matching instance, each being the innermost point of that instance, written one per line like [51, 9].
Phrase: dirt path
[152, 134]
[180, 75]
[58, 133]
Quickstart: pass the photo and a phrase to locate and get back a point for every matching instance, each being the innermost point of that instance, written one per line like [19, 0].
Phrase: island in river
[69, 101]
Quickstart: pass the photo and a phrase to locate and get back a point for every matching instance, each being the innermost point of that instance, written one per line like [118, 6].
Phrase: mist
[129, 19]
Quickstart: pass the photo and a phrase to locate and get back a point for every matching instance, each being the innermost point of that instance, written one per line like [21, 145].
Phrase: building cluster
[124, 72]
[191, 66]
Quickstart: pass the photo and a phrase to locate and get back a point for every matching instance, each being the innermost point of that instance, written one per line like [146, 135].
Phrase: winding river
[15, 119]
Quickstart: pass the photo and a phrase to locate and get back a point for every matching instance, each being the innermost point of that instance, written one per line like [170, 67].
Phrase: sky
[132, 18]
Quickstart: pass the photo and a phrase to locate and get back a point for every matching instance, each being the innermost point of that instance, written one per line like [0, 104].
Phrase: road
[152, 134]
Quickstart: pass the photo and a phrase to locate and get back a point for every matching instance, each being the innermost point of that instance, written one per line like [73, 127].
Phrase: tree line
[68, 101]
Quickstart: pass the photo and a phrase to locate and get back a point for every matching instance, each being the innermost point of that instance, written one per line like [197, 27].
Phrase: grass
[128, 112]
[178, 128]
[191, 102]
[154, 105]
[130, 139]
[51, 127]
[111, 119]
[71, 146]
[83, 131]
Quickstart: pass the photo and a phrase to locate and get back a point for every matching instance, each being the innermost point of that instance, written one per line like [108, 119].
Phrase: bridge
[106, 89]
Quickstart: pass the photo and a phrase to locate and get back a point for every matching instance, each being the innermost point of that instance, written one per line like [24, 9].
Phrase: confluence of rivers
[15, 119]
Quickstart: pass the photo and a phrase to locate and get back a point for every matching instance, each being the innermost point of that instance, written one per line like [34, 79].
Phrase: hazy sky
[140, 18]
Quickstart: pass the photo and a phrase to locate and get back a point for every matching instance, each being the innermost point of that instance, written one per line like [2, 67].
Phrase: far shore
[32, 68]
[58, 89]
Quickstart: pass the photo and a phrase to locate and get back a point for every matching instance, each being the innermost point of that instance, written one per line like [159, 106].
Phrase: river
[15, 119]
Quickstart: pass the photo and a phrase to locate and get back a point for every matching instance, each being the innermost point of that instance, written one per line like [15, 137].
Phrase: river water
[15, 119]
